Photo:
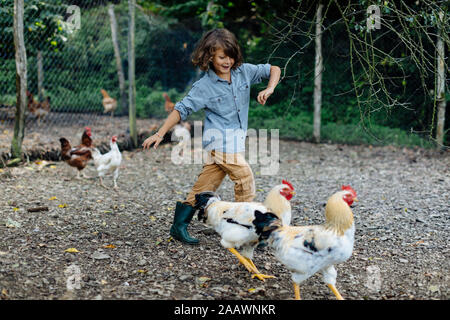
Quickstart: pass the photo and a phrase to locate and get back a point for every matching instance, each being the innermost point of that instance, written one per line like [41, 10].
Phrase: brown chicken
[78, 156]
[168, 104]
[38, 109]
[109, 104]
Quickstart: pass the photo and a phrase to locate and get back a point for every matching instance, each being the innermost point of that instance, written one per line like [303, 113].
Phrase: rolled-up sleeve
[257, 72]
[192, 102]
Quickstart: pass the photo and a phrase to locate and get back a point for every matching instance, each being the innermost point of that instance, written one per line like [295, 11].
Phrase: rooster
[305, 250]
[109, 104]
[108, 162]
[233, 221]
[278, 201]
[38, 109]
[79, 155]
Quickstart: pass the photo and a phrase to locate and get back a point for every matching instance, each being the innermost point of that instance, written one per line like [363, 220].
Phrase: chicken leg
[297, 291]
[101, 183]
[242, 259]
[335, 291]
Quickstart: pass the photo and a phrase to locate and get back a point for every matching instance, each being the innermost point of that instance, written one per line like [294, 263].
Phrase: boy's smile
[222, 64]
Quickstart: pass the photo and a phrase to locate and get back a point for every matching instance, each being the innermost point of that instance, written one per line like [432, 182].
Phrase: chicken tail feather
[265, 223]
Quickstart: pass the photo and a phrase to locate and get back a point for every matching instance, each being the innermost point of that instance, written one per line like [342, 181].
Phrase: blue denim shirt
[226, 106]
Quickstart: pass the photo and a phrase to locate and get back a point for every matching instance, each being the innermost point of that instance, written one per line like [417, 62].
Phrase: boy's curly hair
[210, 42]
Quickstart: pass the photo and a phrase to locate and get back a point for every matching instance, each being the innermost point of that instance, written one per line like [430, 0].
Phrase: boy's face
[222, 63]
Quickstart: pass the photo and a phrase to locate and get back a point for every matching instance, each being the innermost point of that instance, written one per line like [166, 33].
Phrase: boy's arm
[275, 73]
[171, 121]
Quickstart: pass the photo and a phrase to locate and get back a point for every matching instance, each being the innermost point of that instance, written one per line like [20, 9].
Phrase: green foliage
[166, 33]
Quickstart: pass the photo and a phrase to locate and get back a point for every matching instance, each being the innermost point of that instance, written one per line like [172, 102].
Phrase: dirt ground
[124, 251]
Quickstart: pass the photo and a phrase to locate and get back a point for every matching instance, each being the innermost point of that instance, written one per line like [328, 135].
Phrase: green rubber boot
[182, 218]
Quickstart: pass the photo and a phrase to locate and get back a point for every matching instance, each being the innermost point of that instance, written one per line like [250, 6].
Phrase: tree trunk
[120, 74]
[40, 74]
[440, 90]
[318, 69]
[21, 80]
[131, 73]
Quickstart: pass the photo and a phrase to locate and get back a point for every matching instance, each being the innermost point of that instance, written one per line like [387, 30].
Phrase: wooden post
[131, 73]
[120, 74]
[440, 90]
[318, 69]
[21, 80]
[40, 74]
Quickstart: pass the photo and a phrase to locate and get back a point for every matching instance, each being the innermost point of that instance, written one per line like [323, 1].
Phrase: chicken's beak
[355, 199]
[293, 192]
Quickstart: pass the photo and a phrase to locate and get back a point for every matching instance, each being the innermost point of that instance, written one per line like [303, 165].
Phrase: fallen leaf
[109, 246]
[16, 209]
[142, 271]
[53, 198]
[10, 223]
[103, 282]
[418, 242]
[64, 205]
[202, 281]
[251, 290]
[72, 250]
[152, 218]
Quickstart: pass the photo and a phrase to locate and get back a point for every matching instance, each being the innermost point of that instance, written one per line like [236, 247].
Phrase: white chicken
[305, 250]
[233, 221]
[108, 162]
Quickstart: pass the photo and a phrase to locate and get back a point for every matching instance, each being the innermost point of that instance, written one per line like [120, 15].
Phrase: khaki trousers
[214, 171]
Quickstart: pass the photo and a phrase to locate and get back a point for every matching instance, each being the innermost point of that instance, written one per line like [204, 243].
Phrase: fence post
[131, 73]
[318, 75]
[440, 90]
[21, 80]
[115, 40]
[40, 74]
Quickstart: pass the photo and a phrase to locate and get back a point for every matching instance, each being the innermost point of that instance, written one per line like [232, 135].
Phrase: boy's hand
[263, 95]
[154, 139]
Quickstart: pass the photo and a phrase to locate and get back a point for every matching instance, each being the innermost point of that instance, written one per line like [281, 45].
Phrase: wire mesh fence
[77, 58]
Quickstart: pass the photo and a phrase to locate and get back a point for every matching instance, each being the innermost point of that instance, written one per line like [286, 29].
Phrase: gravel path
[125, 252]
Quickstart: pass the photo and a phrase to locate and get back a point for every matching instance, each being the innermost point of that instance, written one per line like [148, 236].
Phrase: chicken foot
[257, 273]
[249, 265]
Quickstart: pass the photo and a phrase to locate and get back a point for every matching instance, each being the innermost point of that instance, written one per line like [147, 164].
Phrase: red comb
[288, 183]
[348, 188]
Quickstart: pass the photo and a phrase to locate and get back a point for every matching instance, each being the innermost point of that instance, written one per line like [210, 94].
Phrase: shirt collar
[214, 77]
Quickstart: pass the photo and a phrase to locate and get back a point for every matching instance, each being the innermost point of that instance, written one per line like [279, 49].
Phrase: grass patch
[353, 134]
